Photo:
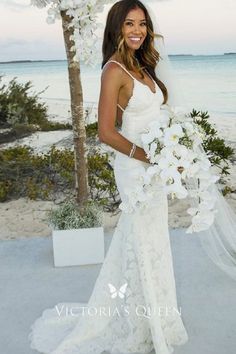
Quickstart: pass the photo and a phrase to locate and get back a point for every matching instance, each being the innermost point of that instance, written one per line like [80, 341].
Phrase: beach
[206, 91]
[27, 218]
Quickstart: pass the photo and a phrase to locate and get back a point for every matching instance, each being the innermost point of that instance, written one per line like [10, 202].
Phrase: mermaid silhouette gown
[133, 306]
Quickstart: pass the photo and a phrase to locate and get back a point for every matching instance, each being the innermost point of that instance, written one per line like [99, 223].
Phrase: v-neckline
[132, 96]
[147, 85]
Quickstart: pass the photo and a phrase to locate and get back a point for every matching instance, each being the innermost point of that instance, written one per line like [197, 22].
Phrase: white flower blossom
[201, 221]
[162, 144]
[84, 19]
[173, 134]
[153, 132]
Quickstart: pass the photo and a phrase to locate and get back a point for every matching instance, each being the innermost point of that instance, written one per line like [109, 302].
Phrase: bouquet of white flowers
[172, 146]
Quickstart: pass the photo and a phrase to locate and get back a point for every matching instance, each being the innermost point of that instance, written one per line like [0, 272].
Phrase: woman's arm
[112, 81]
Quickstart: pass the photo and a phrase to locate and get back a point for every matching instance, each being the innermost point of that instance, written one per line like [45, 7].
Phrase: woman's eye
[143, 24]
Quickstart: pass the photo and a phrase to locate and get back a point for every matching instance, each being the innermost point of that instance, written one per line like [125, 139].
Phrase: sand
[27, 218]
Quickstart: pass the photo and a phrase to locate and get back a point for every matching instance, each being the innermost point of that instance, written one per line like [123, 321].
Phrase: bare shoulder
[113, 73]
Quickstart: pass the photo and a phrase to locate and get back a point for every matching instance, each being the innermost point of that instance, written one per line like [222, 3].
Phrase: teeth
[135, 39]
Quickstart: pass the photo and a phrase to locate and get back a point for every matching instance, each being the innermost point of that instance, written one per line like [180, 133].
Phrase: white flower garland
[84, 20]
[171, 142]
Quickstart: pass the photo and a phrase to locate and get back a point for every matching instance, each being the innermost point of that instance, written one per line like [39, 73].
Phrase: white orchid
[168, 162]
[162, 144]
[176, 189]
[153, 170]
[152, 152]
[153, 132]
[201, 221]
[190, 128]
[192, 170]
[181, 151]
[84, 19]
[173, 134]
[170, 175]
[204, 163]
[176, 112]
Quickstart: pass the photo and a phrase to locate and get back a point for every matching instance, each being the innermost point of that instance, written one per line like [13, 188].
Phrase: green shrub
[44, 176]
[34, 176]
[17, 105]
[102, 180]
[22, 110]
[92, 130]
[49, 126]
[218, 152]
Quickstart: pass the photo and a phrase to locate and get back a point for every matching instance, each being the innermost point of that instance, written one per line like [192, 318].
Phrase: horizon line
[48, 60]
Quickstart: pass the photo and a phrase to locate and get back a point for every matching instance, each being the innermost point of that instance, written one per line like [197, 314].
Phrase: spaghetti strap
[122, 109]
[114, 61]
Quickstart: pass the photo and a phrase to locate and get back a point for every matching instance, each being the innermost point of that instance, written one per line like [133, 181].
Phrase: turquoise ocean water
[208, 82]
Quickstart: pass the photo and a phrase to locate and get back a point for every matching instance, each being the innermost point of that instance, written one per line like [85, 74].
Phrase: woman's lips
[135, 39]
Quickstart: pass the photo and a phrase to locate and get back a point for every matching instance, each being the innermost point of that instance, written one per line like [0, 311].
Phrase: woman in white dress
[133, 307]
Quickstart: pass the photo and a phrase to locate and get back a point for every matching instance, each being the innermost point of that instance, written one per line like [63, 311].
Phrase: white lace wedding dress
[138, 311]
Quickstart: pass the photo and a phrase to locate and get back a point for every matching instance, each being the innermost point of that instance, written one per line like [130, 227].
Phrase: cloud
[10, 42]
[15, 5]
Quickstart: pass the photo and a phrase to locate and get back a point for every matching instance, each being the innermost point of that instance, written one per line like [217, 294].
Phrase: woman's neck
[116, 56]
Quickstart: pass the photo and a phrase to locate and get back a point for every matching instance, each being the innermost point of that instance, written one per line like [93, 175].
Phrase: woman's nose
[136, 28]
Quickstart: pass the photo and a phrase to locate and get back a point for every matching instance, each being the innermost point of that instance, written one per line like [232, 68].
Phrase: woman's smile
[135, 29]
[135, 39]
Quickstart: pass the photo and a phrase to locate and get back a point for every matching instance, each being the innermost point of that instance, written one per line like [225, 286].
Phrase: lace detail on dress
[146, 315]
[140, 257]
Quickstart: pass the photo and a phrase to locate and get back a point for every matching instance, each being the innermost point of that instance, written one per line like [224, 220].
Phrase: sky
[189, 27]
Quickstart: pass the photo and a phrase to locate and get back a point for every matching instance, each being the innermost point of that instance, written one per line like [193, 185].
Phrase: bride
[133, 307]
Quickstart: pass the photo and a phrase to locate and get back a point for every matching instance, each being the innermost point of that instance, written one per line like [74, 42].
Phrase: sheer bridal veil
[219, 241]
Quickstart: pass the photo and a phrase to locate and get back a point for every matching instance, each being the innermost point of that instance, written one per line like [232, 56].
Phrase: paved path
[30, 283]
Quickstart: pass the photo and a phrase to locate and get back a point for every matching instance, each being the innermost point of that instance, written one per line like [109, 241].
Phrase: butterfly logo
[117, 292]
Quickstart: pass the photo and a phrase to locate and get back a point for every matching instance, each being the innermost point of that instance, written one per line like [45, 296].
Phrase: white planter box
[78, 246]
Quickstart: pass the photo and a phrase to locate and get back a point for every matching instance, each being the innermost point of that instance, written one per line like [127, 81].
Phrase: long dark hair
[113, 41]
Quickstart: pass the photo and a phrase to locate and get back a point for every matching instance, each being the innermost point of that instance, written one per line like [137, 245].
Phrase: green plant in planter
[69, 216]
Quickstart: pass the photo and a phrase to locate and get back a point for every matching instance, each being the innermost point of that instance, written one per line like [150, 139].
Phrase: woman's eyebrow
[130, 19]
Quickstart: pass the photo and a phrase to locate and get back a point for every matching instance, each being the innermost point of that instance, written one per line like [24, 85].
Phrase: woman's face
[135, 29]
